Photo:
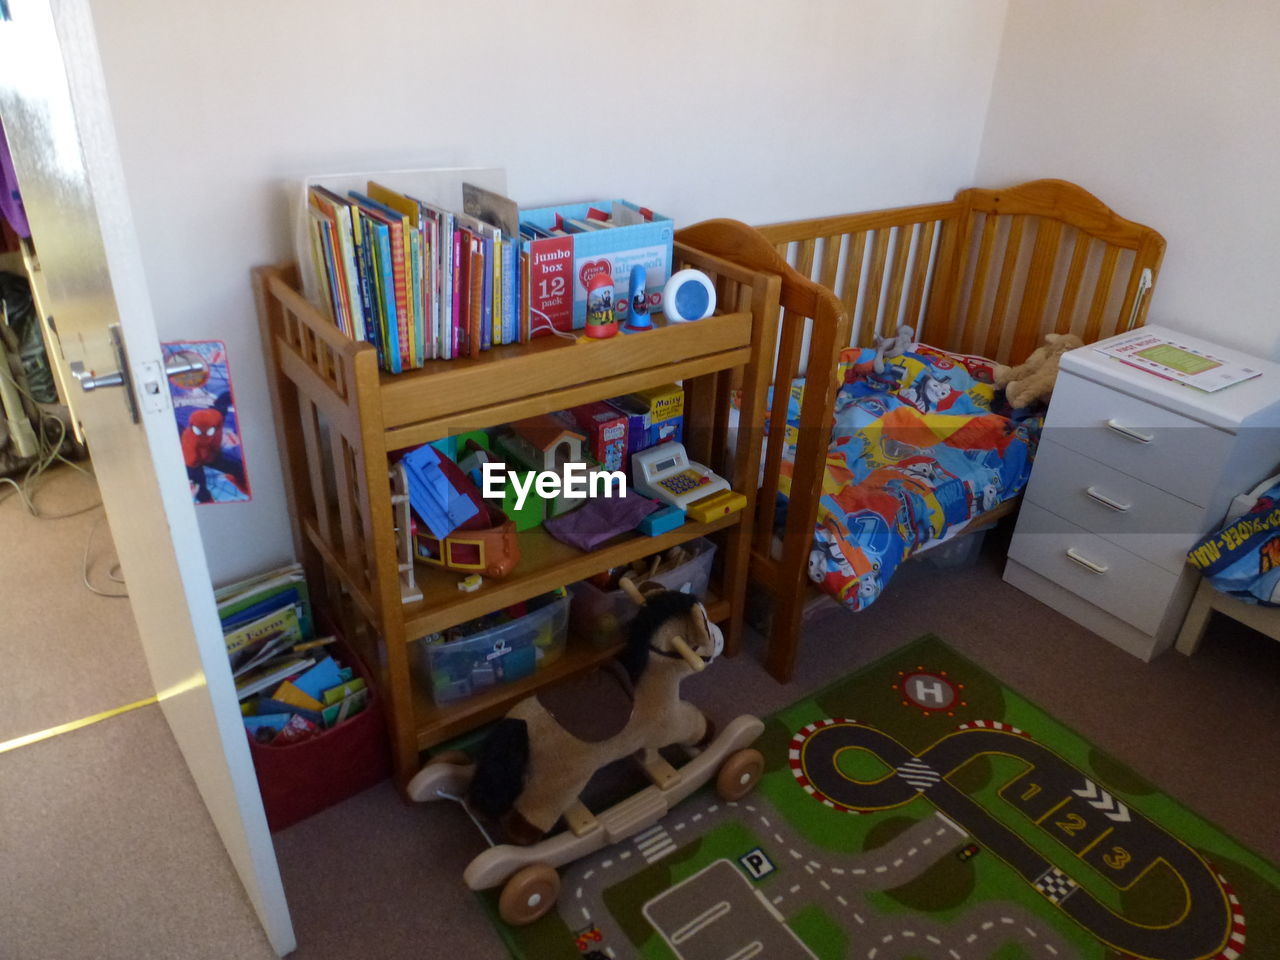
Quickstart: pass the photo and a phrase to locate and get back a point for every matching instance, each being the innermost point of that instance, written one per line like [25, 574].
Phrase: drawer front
[1131, 513]
[1106, 575]
[1165, 449]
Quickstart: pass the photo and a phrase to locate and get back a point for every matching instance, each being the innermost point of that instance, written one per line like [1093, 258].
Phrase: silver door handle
[1106, 501]
[1129, 433]
[121, 376]
[117, 378]
[1086, 562]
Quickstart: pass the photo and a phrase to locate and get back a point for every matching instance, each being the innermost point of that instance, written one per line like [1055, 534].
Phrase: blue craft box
[560, 267]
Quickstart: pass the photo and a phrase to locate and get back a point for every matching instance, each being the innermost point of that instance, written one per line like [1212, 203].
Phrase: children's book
[1177, 361]
[338, 212]
[400, 319]
[269, 675]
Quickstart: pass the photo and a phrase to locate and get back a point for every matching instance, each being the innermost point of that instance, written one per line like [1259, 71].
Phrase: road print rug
[919, 809]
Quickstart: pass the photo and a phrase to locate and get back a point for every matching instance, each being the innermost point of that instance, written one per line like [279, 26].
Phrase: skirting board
[1111, 628]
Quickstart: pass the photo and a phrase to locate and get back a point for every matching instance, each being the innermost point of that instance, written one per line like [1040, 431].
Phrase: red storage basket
[303, 778]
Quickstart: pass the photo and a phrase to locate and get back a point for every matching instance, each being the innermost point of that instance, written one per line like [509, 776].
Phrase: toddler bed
[985, 275]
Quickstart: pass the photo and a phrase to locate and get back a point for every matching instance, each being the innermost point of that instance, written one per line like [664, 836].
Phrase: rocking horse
[537, 760]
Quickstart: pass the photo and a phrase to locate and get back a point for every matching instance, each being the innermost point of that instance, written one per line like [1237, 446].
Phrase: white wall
[1168, 111]
[761, 111]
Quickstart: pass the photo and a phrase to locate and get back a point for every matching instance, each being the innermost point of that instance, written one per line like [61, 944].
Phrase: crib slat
[919, 273]
[804, 257]
[1012, 246]
[875, 282]
[1101, 292]
[978, 292]
[1070, 292]
[906, 234]
[830, 261]
[853, 280]
[784, 372]
[1044, 255]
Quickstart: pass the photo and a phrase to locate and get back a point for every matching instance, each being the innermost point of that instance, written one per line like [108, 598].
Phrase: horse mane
[658, 609]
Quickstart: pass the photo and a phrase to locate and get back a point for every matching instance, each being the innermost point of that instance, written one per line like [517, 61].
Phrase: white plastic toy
[665, 473]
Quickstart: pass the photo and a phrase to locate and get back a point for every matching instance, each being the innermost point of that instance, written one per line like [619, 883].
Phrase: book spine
[510, 284]
[446, 286]
[332, 280]
[456, 321]
[368, 282]
[499, 302]
[387, 293]
[350, 274]
[526, 299]
[486, 295]
[415, 254]
[400, 281]
[476, 280]
[374, 280]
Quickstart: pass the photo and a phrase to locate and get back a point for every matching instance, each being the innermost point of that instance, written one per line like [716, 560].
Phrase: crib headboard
[989, 272]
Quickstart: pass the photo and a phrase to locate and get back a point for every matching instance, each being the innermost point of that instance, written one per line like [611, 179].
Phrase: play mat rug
[919, 809]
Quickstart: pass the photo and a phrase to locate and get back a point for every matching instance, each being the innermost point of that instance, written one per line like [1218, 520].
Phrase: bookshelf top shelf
[549, 373]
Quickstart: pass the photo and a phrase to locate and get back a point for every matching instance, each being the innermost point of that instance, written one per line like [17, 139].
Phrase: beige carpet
[106, 850]
[1203, 728]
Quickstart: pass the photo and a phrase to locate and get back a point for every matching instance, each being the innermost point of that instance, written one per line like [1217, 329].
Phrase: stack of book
[421, 282]
[417, 281]
[289, 687]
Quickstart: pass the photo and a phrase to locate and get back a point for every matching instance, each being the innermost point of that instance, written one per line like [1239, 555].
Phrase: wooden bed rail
[990, 272]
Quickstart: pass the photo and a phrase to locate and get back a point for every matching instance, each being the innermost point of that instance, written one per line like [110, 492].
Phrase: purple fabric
[10, 200]
[600, 519]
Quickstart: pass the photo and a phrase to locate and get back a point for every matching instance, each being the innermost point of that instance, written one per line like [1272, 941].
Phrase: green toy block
[534, 510]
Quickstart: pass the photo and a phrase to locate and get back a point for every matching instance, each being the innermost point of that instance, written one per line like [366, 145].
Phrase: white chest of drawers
[1131, 469]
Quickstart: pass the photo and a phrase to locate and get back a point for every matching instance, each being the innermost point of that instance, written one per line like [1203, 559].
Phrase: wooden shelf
[438, 723]
[551, 365]
[545, 563]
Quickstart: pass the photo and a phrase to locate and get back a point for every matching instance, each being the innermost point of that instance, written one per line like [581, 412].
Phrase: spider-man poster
[208, 426]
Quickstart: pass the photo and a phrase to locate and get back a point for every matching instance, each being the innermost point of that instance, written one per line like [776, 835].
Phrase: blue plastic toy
[660, 521]
[638, 319]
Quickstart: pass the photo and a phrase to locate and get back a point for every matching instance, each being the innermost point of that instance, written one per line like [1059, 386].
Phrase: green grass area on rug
[919, 808]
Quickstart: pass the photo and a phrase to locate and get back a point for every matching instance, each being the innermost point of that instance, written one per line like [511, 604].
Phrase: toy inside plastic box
[561, 267]
[501, 654]
[603, 615]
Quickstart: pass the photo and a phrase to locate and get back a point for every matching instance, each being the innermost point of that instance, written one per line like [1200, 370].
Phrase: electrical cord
[49, 453]
[112, 574]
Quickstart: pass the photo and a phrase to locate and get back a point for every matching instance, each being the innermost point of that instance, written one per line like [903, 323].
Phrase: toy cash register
[665, 473]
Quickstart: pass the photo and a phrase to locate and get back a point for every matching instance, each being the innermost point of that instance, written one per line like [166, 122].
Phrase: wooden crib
[987, 273]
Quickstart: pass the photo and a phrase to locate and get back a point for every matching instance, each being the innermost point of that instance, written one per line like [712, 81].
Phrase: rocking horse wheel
[529, 894]
[739, 774]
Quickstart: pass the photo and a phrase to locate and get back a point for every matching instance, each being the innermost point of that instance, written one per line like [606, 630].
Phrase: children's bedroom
[709, 481]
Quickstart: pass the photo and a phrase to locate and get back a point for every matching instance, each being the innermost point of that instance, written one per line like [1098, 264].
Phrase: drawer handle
[1129, 433]
[1086, 562]
[1106, 501]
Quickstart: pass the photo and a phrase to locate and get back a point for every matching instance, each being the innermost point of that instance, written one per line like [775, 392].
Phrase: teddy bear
[1033, 380]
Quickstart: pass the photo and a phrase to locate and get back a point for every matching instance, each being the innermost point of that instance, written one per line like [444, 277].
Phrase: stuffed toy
[1033, 380]
[887, 348]
[538, 759]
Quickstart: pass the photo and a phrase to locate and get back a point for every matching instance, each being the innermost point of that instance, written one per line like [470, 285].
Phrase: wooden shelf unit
[338, 418]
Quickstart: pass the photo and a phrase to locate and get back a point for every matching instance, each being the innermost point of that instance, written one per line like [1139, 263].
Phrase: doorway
[130, 821]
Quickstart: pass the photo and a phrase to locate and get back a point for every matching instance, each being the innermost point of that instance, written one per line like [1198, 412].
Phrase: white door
[56, 116]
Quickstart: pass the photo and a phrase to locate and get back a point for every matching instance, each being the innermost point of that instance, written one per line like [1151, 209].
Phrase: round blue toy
[689, 295]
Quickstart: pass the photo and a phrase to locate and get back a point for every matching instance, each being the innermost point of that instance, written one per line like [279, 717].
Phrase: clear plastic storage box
[603, 616]
[502, 654]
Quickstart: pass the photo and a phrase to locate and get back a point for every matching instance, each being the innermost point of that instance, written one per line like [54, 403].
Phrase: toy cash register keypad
[684, 481]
